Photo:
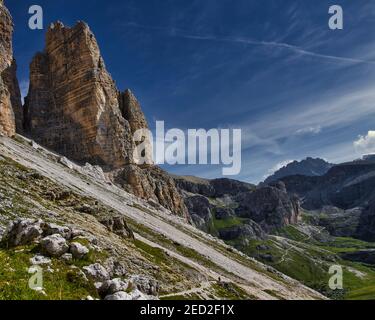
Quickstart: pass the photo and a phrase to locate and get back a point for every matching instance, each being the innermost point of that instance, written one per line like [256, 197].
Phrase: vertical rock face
[131, 110]
[74, 108]
[73, 104]
[10, 97]
[152, 183]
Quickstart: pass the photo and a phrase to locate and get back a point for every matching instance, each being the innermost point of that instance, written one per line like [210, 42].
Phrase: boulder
[146, 285]
[39, 260]
[115, 268]
[118, 226]
[67, 257]
[119, 296]
[78, 250]
[110, 287]
[54, 245]
[51, 228]
[22, 232]
[96, 272]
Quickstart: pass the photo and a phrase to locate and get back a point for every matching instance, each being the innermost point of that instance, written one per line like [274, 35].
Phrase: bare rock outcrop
[10, 97]
[132, 111]
[152, 183]
[73, 104]
[74, 107]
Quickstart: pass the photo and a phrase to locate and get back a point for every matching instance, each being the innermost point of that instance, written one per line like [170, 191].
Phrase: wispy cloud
[176, 32]
[309, 130]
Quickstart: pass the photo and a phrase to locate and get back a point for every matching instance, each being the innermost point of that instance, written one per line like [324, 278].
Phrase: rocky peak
[10, 97]
[73, 106]
[309, 167]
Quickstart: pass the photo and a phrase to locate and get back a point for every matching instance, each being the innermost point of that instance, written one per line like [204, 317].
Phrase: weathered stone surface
[54, 245]
[78, 250]
[131, 110]
[118, 226]
[39, 260]
[10, 97]
[96, 272]
[250, 230]
[74, 108]
[270, 207]
[73, 104]
[199, 208]
[110, 287]
[146, 285]
[22, 232]
[152, 183]
[50, 228]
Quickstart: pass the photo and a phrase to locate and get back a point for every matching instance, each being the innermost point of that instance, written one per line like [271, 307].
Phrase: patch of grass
[291, 232]
[63, 284]
[230, 291]
[228, 223]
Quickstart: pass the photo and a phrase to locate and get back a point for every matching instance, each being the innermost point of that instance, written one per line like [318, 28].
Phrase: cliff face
[74, 108]
[10, 97]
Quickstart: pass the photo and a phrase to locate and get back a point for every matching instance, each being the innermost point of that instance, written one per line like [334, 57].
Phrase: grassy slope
[309, 261]
[23, 193]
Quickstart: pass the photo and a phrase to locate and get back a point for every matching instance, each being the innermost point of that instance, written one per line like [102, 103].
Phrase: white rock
[54, 245]
[97, 272]
[112, 286]
[67, 163]
[39, 260]
[67, 257]
[51, 228]
[78, 250]
[120, 296]
[22, 232]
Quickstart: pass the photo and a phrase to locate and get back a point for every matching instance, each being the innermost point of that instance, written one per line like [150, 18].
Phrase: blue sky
[272, 68]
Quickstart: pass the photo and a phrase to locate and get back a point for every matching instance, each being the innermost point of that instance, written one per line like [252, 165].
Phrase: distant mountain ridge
[309, 167]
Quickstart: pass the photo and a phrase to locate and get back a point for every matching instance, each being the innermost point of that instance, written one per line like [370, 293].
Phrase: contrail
[175, 32]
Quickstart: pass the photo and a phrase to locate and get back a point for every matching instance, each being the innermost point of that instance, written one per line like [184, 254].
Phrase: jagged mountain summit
[74, 108]
[10, 96]
[73, 105]
[308, 167]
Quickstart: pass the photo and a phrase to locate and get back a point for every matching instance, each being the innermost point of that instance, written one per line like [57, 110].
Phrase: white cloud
[309, 130]
[365, 144]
